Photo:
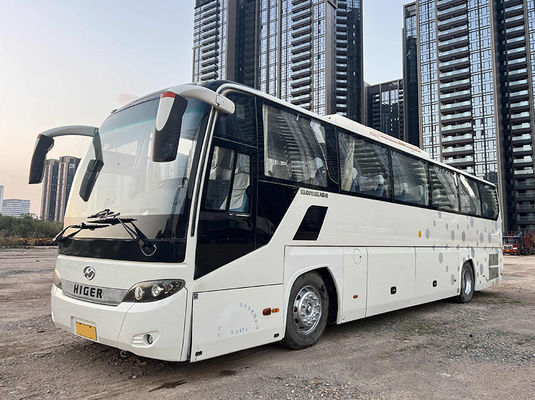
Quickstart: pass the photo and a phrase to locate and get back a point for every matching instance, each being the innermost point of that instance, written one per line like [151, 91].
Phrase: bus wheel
[467, 284]
[308, 310]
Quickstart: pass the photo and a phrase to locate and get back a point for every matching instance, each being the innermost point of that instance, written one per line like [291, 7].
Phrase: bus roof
[344, 123]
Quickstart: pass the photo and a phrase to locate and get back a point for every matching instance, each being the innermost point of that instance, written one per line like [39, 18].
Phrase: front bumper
[124, 326]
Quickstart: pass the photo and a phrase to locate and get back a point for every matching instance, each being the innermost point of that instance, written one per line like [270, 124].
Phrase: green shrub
[28, 227]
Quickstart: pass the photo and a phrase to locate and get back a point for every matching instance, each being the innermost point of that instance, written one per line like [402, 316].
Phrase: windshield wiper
[107, 217]
[59, 238]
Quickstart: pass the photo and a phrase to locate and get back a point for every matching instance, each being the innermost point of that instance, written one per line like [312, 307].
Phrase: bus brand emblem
[314, 193]
[89, 272]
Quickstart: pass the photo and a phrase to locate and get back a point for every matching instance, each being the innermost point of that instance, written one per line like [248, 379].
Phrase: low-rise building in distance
[15, 207]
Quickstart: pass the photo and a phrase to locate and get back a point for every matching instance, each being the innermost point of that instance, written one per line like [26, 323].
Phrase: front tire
[308, 311]
[467, 284]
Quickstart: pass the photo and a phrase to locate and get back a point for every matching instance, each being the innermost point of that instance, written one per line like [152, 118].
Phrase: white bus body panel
[355, 284]
[230, 320]
[399, 246]
[390, 278]
[124, 325]
[440, 265]
[300, 260]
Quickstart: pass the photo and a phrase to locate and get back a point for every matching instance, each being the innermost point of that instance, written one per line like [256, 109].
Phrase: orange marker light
[274, 310]
[266, 311]
[419, 234]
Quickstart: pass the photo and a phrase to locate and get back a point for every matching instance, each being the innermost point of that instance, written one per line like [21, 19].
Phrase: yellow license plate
[85, 330]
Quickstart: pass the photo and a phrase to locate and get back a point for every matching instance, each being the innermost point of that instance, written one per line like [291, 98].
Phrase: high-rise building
[50, 189]
[15, 207]
[385, 108]
[475, 94]
[66, 170]
[57, 182]
[1, 197]
[410, 75]
[515, 65]
[307, 52]
[210, 28]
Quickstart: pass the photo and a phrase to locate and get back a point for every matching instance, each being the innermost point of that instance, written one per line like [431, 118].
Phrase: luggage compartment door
[391, 278]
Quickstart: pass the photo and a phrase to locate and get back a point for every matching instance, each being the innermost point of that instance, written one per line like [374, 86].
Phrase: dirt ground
[442, 350]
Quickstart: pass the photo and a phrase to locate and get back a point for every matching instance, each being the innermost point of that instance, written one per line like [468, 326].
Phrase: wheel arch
[333, 289]
[470, 263]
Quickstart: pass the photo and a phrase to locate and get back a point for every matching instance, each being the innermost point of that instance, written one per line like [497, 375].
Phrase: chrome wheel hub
[307, 309]
[467, 282]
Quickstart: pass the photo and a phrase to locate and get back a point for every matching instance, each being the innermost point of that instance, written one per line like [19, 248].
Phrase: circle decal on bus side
[357, 256]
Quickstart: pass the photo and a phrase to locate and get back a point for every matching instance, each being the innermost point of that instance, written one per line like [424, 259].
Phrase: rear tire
[308, 311]
[467, 284]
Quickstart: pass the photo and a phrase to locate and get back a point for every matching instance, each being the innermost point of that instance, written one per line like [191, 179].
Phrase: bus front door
[227, 218]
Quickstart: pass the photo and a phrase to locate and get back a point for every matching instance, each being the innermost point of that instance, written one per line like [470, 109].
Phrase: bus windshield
[154, 194]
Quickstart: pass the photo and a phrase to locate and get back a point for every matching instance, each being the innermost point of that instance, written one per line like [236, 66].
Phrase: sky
[73, 62]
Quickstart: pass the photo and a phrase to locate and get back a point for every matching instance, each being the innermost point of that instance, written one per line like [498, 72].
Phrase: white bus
[207, 219]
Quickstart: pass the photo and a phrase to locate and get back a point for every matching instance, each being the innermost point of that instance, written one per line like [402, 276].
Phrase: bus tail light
[148, 291]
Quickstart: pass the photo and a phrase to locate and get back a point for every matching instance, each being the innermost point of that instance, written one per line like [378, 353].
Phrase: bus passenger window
[241, 125]
[489, 200]
[219, 179]
[295, 148]
[443, 188]
[365, 166]
[410, 179]
[240, 195]
[469, 195]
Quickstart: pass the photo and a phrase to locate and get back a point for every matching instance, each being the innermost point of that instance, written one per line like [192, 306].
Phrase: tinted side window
[229, 181]
[365, 166]
[410, 179]
[240, 195]
[240, 126]
[489, 200]
[469, 196]
[220, 179]
[294, 148]
[443, 188]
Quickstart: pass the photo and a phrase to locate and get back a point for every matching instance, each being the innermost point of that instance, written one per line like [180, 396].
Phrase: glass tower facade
[296, 50]
[410, 75]
[50, 189]
[66, 169]
[210, 39]
[350, 90]
[475, 94]
[57, 182]
[385, 108]
[515, 34]
[307, 52]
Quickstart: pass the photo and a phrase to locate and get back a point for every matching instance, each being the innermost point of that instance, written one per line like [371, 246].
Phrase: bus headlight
[144, 292]
[57, 279]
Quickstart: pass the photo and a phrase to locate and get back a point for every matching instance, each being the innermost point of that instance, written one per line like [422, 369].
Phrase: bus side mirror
[42, 146]
[90, 177]
[168, 123]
